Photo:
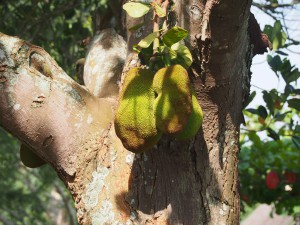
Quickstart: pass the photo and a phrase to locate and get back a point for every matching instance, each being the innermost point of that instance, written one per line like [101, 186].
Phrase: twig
[258, 87]
[5, 220]
[272, 6]
[66, 203]
[165, 7]
[292, 51]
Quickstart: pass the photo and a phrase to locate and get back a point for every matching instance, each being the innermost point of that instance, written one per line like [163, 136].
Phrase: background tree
[269, 156]
[202, 170]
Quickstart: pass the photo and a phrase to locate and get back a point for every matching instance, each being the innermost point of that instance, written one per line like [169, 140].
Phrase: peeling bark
[191, 182]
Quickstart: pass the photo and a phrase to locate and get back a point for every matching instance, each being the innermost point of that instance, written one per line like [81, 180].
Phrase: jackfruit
[194, 122]
[134, 119]
[30, 159]
[173, 104]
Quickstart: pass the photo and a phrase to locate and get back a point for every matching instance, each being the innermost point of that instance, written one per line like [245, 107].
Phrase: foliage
[270, 140]
[25, 193]
[59, 26]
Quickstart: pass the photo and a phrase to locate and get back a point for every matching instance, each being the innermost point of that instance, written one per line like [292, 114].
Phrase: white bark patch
[105, 215]
[222, 213]
[139, 32]
[7, 44]
[113, 154]
[132, 216]
[224, 210]
[43, 85]
[133, 62]
[194, 12]
[16, 107]
[93, 189]
[2, 55]
[75, 96]
[129, 158]
[11, 98]
[89, 119]
[225, 207]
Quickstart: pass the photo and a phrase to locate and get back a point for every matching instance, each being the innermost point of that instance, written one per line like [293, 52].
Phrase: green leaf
[269, 101]
[147, 41]
[279, 37]
[255, 139]
[145, 54]
[250, 110]
[280, 117]
[262, 112]
[135, 27]
[294, 103]
[276, 35]
[136, 48]
[174, 35]
[181, 54]
[293, 76]
[159, 10]
[274, 62]
[250, 98]
[281, 53]
[268, 30]
[136, 9]
[272, 134]
[296, 141]
[288, 89]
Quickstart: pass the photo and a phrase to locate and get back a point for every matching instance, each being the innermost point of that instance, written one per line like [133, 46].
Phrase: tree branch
[44, 108]
[5, 221]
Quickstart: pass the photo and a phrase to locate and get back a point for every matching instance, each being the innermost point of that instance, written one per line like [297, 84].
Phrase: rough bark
[196, 182]
[192, 182]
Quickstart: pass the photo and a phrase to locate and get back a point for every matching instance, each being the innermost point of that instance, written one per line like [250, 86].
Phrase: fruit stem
[156, 28]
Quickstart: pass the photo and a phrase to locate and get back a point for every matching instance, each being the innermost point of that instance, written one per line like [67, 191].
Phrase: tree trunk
[191, 182]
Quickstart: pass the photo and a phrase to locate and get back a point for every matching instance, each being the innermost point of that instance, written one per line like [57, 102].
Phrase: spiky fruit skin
[134, 119]
[30, 159]
[173, 105]
[194, 123]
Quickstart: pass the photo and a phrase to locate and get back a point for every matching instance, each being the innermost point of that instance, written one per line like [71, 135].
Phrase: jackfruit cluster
[152, 104]
[134, 119]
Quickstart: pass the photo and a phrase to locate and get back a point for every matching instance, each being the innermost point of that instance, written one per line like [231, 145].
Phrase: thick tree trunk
[192, 182]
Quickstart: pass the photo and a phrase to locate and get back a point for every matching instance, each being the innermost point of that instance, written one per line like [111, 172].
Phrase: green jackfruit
[30, 159]
[173, 105]
[194, 122]
[134, 119]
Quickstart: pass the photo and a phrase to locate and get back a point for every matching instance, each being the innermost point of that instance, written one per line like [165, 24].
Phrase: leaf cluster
[162, 47]
[25, 193]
